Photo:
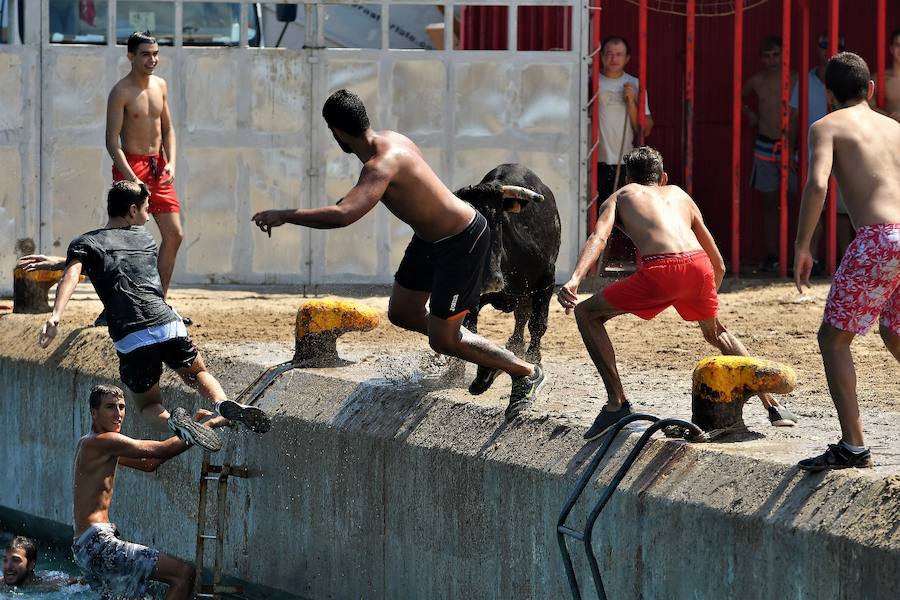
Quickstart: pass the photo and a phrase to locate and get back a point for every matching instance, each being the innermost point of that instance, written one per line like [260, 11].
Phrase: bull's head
[492, 199]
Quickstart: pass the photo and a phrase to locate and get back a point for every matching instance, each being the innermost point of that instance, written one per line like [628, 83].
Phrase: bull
[525, 234]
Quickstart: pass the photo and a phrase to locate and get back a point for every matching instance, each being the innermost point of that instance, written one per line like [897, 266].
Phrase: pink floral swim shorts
[868, 282]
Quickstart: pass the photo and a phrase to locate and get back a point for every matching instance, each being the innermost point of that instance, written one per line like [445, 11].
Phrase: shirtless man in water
[861, 148]
[140, 140]
[447, 255]
[112, 566]
[678, 265]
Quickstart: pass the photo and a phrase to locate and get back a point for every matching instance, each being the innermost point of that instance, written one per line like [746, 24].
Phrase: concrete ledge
[386, 489]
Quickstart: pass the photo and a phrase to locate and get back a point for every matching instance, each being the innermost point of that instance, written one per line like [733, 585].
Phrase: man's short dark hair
[841, 43]
[345, 111]
[27, 546]
[847, 77]
[140, 37]
[615, 39]
[122, 195]
[771, 42]
[100, 390]
[644, 165]
[894, 35]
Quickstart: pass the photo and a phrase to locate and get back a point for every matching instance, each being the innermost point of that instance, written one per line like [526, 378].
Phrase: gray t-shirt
[613, 113]
[121, 264]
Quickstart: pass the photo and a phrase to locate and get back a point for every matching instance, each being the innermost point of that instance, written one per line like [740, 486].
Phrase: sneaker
[780, 416]
[837, 457]
[607, 419]
[254, 418]
[484, 378]
[193, 433]
[187, 321]
[524, 392]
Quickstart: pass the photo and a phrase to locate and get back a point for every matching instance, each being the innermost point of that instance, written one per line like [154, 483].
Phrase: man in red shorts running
[141, 141]
[678, 265]
[862, 149]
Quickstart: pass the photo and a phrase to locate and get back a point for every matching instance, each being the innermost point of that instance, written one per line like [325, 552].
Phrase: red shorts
[684, 280]
[867, 284]
[149, 169]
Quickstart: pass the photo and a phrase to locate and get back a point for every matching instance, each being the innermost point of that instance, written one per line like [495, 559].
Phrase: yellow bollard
[321, 321]
[30, 289]
[722, 384]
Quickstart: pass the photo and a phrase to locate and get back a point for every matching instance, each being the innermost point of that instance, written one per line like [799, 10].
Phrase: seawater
[55, 567]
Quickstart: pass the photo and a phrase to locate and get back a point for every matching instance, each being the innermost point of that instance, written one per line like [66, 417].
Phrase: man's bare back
[414, 193]
[866, 150]
[658, 219]
[141, 113]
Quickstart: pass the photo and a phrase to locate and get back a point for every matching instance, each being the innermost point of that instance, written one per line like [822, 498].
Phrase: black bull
[519, 278]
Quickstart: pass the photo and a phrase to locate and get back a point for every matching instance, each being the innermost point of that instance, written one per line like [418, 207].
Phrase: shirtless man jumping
[862, 149]
[679, 265]
[112, 566]
[445, 259]
[140, 140]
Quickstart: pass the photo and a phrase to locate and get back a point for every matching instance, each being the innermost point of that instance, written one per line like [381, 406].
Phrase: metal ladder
[220, 473]
[586, 536]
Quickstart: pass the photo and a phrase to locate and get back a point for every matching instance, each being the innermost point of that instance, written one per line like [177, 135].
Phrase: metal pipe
[642, 69]
[803, 109]
[201, 522]
[881, 37]
[561, 529]
[785, 124]
[831, 210]
[689, 43]
[736, 139]
[594, 200]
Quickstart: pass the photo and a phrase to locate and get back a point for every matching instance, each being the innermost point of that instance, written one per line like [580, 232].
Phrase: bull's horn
[520, 193]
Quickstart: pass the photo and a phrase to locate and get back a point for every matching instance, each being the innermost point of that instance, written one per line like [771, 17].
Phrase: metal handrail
[586, 536]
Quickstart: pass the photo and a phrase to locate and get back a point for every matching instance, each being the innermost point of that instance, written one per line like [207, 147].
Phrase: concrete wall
[250, 137]
[379, 489]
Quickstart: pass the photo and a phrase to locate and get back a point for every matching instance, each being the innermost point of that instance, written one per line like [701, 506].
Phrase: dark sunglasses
[824, 46]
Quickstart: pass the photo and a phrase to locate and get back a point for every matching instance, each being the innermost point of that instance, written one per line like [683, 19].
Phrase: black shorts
[452, 269]
[141, 369]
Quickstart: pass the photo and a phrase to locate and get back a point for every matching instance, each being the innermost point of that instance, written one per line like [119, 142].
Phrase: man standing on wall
[140, 140]
[862, 149]
[618, 120]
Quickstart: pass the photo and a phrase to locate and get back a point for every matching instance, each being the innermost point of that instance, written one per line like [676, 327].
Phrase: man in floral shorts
[862, 149]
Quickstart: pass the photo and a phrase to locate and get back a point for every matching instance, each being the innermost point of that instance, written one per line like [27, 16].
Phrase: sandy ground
[655, 358]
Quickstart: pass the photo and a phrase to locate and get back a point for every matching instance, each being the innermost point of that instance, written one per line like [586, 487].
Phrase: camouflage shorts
[113, 567]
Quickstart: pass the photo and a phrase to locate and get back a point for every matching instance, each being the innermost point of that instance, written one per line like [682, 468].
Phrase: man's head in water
[107, 404]
[19, 562]
[143, 52]
[130, 201]
[644, 165]
[847, 79]
[346, 117]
